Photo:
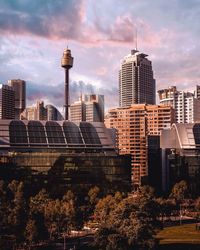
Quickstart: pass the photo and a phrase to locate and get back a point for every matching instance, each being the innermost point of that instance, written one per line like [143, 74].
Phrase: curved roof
[181, 135]
[51, 134]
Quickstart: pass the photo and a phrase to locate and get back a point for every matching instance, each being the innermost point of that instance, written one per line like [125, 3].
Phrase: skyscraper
[19, 86]
[136, 82]
[7, 102]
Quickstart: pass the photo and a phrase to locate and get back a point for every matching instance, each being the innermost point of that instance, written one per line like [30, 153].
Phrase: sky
[33, 35]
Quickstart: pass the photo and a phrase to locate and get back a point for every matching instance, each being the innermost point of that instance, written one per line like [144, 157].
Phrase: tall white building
[136, 81]
[185, 104]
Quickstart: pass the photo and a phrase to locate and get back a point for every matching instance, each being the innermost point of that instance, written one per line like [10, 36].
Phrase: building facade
[133, 125]
[41, 112]
[89, 108]
[19, 86]
[185, 104]
[136, 81]
[63, 153]
[180, 147]
[7, 102]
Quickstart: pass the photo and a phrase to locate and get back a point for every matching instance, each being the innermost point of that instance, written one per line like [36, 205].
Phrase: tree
[18, 210]
[31, 232]
[134, 220]
[180, 191]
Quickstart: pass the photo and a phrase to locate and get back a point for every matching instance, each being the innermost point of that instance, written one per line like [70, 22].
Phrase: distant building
[133, 125]
[41, 112]
[90, 108]
[78, 111]
[37, 112]
[7, 102]
[185, 104]
[136, 81]
[19, 86]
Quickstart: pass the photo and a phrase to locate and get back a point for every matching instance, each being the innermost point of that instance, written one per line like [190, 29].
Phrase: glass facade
[64, 134]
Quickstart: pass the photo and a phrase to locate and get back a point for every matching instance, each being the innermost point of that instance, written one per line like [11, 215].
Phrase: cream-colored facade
[133, 125]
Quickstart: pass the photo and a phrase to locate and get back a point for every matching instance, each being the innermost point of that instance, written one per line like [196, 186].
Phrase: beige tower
[67, 63]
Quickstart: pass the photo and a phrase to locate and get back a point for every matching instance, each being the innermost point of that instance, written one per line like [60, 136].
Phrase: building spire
[136, 38]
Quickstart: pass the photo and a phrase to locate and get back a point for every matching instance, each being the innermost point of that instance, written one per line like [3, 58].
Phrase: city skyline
[33, 36]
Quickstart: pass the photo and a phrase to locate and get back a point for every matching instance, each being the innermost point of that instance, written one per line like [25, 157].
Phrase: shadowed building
[7, 102]
[19, 86]
[180, 147]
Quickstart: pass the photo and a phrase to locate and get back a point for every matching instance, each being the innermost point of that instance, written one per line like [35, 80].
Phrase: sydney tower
[67, 63]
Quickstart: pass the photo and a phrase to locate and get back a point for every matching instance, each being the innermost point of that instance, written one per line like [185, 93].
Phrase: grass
[183, 234]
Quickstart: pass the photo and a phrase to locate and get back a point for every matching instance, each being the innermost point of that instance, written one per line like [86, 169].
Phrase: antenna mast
[136, 38]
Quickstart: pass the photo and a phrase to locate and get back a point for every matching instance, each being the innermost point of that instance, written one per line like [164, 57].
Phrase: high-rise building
[136, 81]
[133, 125]
[19, 87]
[7, 102]
[90, 108]
[185, 104]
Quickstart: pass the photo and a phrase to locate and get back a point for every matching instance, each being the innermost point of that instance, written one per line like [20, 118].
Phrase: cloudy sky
[33, 34]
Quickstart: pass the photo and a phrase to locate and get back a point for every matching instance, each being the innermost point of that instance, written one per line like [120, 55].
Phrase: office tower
[185, 104]
[133, 125]
[136, 82]
[7, 102]
[90, 108]
[67, 63]
[19, 87]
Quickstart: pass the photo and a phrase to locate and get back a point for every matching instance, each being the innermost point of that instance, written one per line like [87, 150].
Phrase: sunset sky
[33, 34]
